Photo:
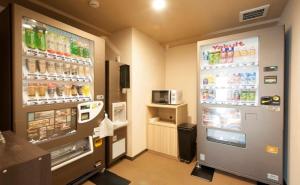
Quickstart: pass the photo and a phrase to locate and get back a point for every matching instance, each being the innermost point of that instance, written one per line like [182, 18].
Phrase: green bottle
[29, 37]
[74, 47]
[40, 38]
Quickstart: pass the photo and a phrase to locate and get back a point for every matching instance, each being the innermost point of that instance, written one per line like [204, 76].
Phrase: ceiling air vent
[254, 13]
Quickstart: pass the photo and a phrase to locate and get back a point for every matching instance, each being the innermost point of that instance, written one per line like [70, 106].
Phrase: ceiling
[181, 19]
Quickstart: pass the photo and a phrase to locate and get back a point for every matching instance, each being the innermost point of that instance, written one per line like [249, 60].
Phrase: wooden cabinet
[162, 127]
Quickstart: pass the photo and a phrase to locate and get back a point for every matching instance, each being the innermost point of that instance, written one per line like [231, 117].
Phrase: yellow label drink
[42, 88]
[31, 89]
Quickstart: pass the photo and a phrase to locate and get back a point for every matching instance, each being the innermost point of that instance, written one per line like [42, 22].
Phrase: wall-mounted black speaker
[124, 76]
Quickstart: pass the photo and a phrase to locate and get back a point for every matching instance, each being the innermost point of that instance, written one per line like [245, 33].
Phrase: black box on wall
[124, 76]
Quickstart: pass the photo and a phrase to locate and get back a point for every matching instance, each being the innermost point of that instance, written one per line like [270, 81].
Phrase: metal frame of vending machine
[240, 105]
[55, 67]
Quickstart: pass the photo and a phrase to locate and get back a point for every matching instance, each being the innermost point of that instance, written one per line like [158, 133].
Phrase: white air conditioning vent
[254, 13]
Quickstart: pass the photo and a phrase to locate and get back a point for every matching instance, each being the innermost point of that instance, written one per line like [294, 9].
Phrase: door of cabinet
[162, 139]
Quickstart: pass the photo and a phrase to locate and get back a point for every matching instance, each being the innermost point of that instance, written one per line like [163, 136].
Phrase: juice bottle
[211, 58]
[67, 46]
[205, 57]
[230, 54]
[60, 44]
[236, 95]
[86, 51]
[40, 38]
[251, 95]
[223, 55]
[217, 57]
[86, 90]
[244, 95]
[29, 37]
[51, 45]
[74, 47]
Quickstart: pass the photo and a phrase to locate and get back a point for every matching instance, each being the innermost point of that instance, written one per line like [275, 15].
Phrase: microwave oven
[170, 96]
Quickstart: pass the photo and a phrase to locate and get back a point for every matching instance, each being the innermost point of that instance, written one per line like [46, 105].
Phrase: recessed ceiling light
[159, 5]
[94, 3]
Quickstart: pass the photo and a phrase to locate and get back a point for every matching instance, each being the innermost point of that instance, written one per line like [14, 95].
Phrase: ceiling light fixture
[94, 3]
[159, 5]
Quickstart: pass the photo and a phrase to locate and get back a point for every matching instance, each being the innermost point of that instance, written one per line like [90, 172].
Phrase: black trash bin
[187, 134]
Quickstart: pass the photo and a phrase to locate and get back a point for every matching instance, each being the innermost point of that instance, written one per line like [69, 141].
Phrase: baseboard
[136, 156]
[163, 155]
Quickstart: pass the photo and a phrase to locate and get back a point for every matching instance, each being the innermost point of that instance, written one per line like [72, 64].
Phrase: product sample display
[240, 105]
[229, 72]
[57, 65]
[50, 124]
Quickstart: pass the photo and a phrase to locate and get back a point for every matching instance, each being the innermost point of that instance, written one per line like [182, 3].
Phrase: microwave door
[160, 97]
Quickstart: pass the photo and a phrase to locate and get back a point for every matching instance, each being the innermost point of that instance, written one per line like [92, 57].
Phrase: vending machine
[56, 86]
[240, 104]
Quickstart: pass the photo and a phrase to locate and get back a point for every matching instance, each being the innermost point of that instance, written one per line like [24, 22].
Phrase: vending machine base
[203, 172]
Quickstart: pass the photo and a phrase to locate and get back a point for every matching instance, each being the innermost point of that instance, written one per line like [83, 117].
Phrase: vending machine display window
[57, 65]
[229, 72]
[223, 118]
[237, 139]
[47, 125]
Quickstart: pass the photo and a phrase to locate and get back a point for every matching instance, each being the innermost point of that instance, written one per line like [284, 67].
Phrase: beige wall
[147, 73]
[290, 18]
[181, 69]
[146, 59]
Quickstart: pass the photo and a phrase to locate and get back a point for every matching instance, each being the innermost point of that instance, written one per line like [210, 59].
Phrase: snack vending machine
[55, 98]
[240, 104]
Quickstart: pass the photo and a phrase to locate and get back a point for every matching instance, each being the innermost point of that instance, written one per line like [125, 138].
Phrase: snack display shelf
[241, 86]
[53, 77]
[45, 100]
[239, 103]
[53, 56]
[229, 65]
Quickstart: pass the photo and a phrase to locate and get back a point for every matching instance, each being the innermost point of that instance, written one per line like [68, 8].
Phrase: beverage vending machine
[240, 104]
[56, 86]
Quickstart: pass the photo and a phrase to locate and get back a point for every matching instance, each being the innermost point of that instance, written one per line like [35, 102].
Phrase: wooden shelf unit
[162, 134]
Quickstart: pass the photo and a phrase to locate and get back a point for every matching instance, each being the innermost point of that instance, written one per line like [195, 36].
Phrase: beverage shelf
[230, 65]
[239, 103]
[48, 77]
[241, 86]
[43, 101]
[35, 53]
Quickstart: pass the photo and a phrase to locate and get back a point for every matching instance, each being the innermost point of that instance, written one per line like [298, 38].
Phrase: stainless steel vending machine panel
[240, 104]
